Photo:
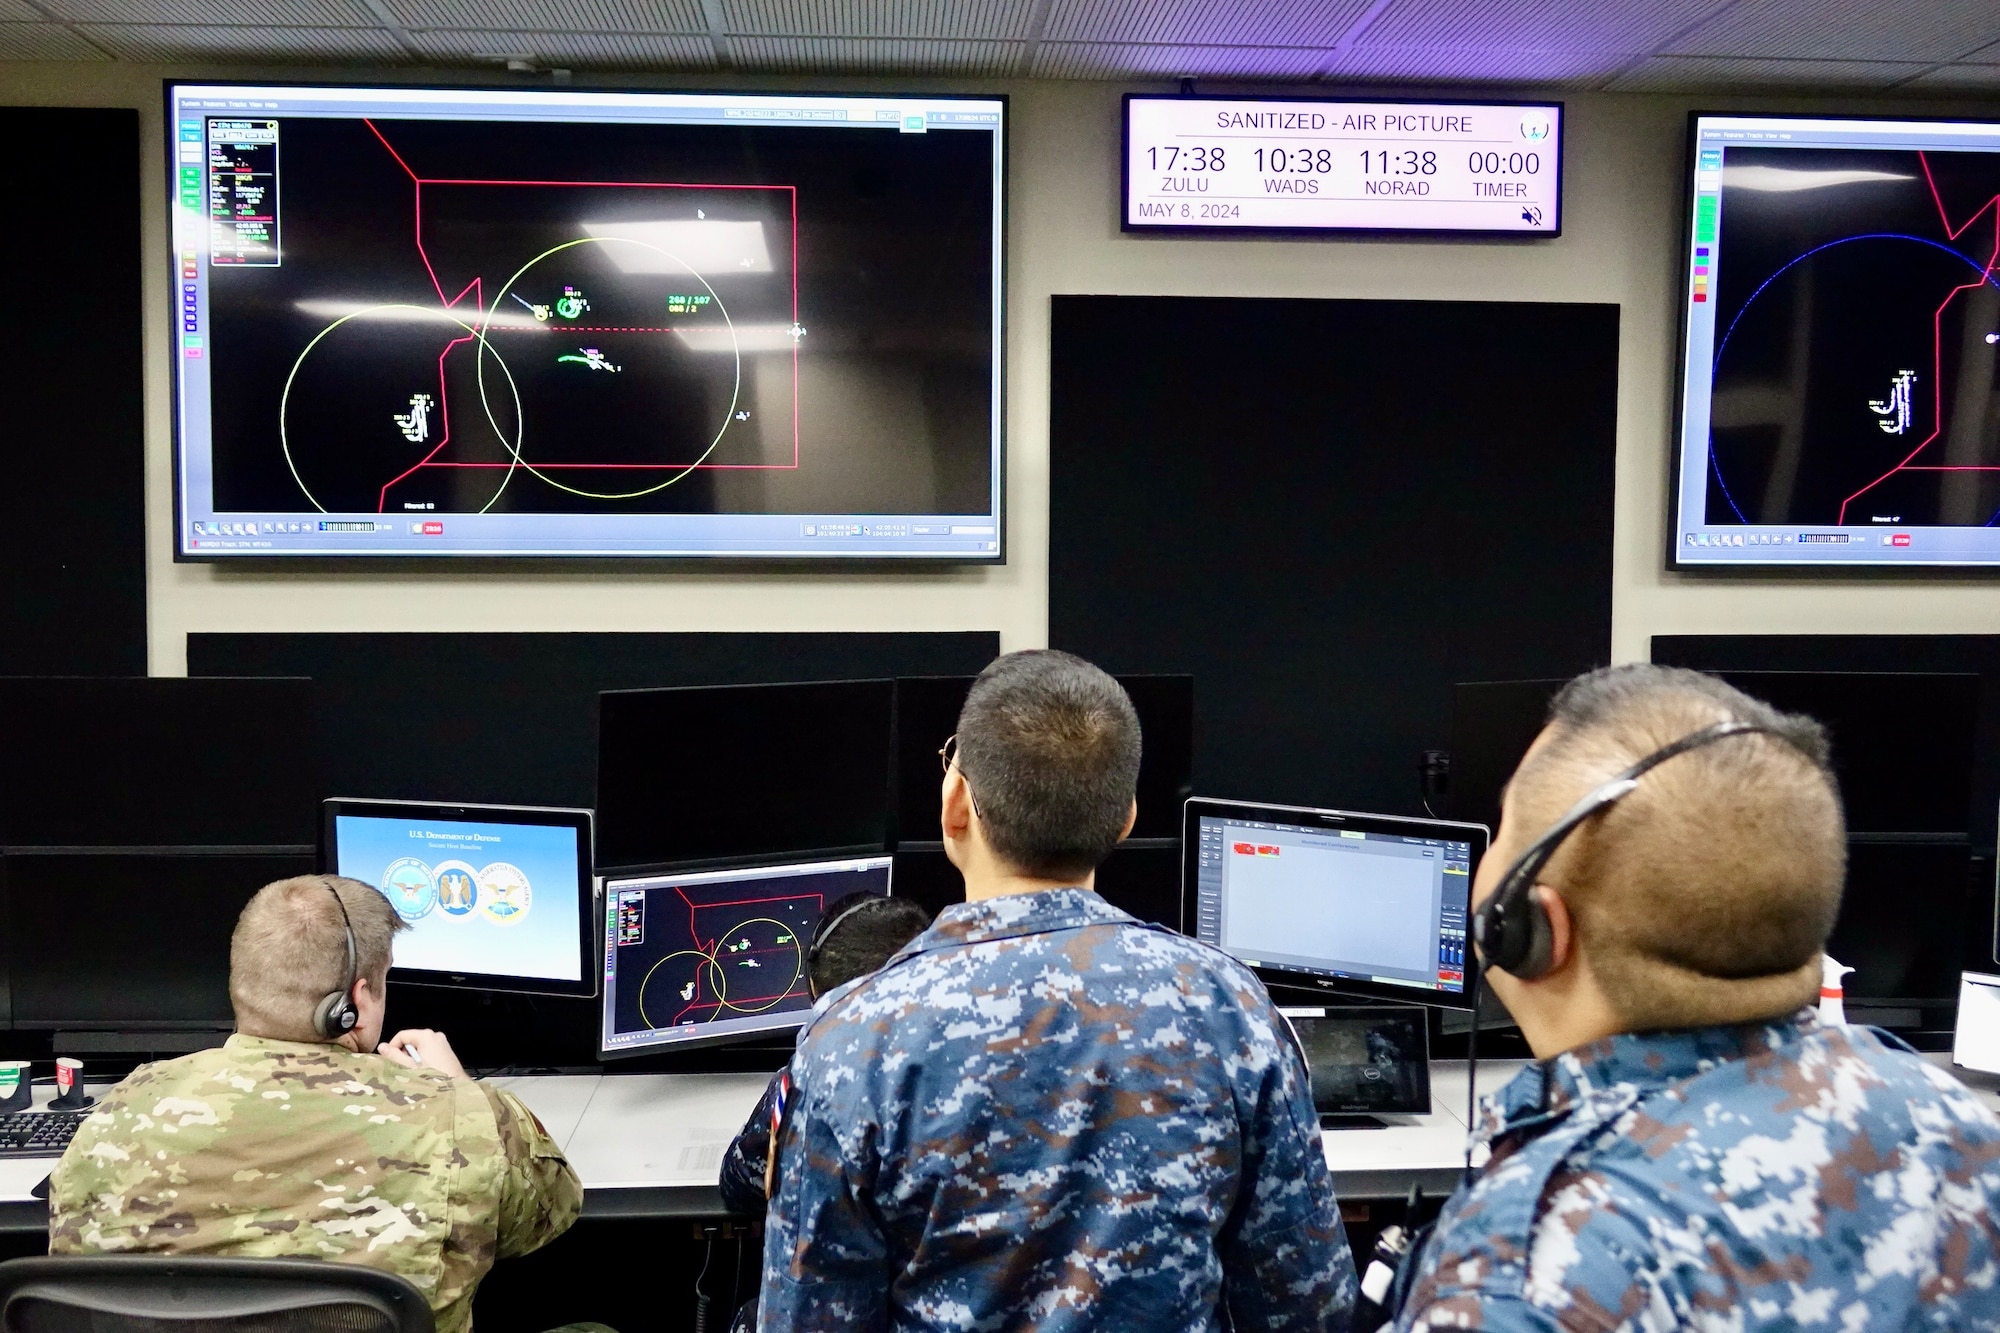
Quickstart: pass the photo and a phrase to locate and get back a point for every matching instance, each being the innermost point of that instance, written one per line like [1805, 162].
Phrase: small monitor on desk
[693, 957]
[498, 897]
[1371, 905]
[1365, 1061]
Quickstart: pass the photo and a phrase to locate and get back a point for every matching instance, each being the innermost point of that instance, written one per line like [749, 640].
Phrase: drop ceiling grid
[992, 19]
[1845, 30]
[44, 41]
[1475, 65]
[1245, 24]
[563, 16]
[840, 55]
[1635, 27]
[221, 13]
[1687, 74]
[1108, 60]
[605, 50]
[163, 44]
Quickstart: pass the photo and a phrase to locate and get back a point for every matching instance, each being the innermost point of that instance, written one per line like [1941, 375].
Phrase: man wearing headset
[1694, 1149]
[307, 1136]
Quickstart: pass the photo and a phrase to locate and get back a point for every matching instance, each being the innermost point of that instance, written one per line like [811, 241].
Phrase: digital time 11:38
[1321, 161]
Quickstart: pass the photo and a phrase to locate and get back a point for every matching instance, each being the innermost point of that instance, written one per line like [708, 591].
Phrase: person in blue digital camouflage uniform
[1695, 1149]
[1042, 1114]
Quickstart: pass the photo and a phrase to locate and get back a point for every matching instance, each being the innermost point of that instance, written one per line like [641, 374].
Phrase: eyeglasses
[948, 752]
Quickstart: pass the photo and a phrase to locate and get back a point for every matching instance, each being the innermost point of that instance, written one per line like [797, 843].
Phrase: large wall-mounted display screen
[453, 322]
[1841, 289]
[1310, 165]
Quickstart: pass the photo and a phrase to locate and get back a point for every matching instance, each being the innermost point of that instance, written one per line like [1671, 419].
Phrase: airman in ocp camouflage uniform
[1696, 1149]
[307, 1136]
[267, 1148]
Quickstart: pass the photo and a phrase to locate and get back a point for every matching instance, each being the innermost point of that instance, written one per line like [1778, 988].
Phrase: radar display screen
[702, 957]
[549, 323]
[1839, 402]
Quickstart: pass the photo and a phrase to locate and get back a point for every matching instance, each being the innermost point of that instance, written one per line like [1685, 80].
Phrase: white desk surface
[647, 1143]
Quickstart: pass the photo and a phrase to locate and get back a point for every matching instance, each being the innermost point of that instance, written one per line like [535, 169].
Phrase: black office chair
[162, 1294]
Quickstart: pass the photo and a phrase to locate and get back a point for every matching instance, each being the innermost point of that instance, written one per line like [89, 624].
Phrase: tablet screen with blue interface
[481, 898]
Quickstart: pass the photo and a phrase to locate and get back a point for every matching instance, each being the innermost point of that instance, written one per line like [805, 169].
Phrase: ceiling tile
[1435, 64]
[1677, 73]
[1959, 78]
[1109, 60]
[228, 13]
[553, 15]
[992, 19]
[598, 50]
[835, 55]
[44, 41]
[1923, 30]
[1635, 26]
[165, 44]
[1242, 24]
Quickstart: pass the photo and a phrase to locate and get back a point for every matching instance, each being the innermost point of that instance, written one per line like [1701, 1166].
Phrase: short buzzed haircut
[857, 934]
[1708, 894]
[288, 952]
[1049, 746]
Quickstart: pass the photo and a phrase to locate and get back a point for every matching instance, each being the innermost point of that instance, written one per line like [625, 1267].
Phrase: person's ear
[955, 805]
[1562, 926]
[1131, 818]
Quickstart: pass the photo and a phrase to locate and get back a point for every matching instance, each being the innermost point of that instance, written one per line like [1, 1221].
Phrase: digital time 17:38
[1322, 161]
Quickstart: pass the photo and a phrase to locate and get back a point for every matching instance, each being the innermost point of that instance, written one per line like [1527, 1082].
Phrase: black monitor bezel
[1300, 816]
[697, 1038]
[541, 816]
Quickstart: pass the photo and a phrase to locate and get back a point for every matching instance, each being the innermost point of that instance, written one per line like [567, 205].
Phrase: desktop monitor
[158, 761]
[1370, 905]
[497, 897]
[710, 773]
[529, 323]
[697, 957]
[130, 940]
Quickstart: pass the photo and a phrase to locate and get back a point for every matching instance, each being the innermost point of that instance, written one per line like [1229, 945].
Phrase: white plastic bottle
[1831, 991]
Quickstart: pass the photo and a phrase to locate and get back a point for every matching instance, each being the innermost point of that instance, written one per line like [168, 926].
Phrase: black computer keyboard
[38, 1133]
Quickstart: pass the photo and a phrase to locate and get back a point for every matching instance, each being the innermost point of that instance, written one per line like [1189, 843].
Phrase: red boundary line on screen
[477, 289]
[1937, 343]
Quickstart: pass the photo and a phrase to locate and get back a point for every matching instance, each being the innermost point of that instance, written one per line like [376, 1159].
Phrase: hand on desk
[432, 1051]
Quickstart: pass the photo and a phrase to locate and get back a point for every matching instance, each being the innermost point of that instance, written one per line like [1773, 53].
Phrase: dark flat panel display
[159, 761]
[512, 718]
[927, 711]
[743, 770]
[73, 585]
[1329, 512]
[155, 950]
[1978, 654]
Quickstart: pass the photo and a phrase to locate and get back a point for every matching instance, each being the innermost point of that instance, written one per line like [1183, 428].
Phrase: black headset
[1511, 928]
[335, 1015]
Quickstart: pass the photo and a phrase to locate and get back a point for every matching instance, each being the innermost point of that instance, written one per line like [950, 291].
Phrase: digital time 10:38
[1322, 161]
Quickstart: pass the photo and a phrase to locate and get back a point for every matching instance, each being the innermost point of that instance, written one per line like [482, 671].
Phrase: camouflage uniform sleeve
[1284, 1249]
[540, 1195]
[826, 1260]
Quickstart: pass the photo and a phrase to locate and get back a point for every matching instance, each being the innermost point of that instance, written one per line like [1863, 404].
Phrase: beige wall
[1620, 235]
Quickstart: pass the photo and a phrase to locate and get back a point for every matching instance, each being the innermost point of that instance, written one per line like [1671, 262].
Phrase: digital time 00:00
[1320, 161]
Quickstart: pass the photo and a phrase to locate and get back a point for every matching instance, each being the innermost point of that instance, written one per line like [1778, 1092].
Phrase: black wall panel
[72, 441]
[513, 717]
[1329, 512]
